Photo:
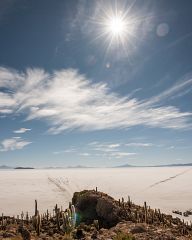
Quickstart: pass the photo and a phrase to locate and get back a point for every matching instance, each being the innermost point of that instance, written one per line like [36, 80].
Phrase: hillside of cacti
[95, 215]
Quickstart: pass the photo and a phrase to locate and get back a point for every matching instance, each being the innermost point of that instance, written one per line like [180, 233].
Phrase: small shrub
[68, 238]
[123, 236]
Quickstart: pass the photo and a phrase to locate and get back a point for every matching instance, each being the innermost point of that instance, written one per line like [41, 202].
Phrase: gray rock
[140, 228]
[91, 205]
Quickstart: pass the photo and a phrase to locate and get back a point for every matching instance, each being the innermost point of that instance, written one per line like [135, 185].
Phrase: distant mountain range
[121, 166]
[8, 167]
[5, 167]
[124, 166]
[78, 166]
[23, 168]
[168, 165]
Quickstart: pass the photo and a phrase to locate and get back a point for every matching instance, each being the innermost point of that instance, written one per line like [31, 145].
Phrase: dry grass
[123, 236]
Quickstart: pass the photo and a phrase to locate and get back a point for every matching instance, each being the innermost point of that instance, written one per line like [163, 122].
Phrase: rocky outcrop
[91, 205]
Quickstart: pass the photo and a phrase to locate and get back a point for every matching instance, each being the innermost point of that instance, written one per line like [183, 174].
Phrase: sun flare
[118, 30]
[116, 25]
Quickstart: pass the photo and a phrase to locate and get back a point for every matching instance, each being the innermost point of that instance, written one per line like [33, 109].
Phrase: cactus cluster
[69, 220]
[144, 214]
[65, 220]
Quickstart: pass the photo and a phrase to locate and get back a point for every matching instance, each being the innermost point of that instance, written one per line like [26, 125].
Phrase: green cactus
[2, 222]
[47, 215]
[35, 207]
[27, 218]
[38, 229]
[36, 222]
[57, 212]
[69, 220]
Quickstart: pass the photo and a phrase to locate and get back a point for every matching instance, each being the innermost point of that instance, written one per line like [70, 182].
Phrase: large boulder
[91, 205]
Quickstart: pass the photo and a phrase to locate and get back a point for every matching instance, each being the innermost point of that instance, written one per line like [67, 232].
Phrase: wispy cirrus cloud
[85, 154]
[22, 130]
[110, 150]
[138, 144]
[66, 99]
[96, 149]
[12, 144]
[174, 91]
[122, 154]
[69, 150]
[97, 145]
[105, 147]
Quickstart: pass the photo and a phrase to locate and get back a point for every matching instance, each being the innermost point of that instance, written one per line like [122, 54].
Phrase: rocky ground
[98, 216]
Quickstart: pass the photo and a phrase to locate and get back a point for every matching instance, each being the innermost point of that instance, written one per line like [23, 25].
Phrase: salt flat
[167, 188]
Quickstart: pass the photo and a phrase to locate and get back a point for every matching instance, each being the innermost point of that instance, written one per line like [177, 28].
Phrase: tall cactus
[47, 215]
[57, 212]
[36, 220]
[27, 218]
[2, 220]
[145, 209]
[69, 220]
[38, 229]
[73, 215]
[35, 207]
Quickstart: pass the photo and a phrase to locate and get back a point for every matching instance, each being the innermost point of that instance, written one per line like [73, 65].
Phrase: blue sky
[74, 91]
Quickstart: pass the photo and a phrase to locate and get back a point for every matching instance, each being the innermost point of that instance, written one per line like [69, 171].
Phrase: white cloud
[6, 100]
[104, 150]
[5, 111]
[109, 150]
[104, 147]
[93, 143]
[114, 145]
[70, 150]
[22, 130]
[73, 151]
[85, 154]
[57, 152]
[174, 91]
[171, 147]
[65, 99]
[122, 154]
[11, 144]
[139, 144]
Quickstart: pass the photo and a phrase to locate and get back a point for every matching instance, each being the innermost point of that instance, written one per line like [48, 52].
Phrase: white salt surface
[19, 188]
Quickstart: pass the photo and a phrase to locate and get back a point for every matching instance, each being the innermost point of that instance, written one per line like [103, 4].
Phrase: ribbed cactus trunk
[57, 217]
[47, 215]
[2, 222]
[35, 207]
[145, 210]
[38, 225]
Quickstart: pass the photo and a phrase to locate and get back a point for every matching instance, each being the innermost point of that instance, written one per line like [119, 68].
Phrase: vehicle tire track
[170, 178]
[60, 187]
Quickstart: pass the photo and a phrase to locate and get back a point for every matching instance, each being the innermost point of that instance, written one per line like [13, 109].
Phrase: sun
[116, 25]
[117, 29]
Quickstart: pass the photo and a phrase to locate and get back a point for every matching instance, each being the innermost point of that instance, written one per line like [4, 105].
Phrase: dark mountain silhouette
[5, 167]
